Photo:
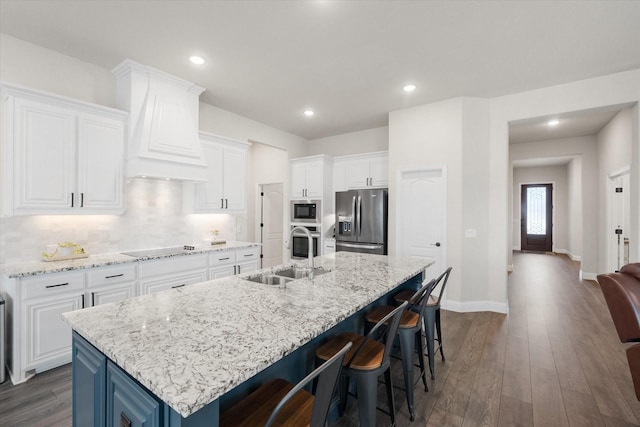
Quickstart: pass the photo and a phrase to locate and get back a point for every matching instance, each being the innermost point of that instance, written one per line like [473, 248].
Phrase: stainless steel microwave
[307, 211]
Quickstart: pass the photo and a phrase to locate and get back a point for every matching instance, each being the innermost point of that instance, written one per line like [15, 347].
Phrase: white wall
[556, 175]
[365, 141]
[574, 209]
[22, 238]
[614, 153]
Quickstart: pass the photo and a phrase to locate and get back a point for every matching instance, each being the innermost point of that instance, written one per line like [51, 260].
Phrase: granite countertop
[43, 267]
[191, 345]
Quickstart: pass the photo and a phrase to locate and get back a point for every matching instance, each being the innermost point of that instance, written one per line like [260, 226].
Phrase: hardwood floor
[555, 360]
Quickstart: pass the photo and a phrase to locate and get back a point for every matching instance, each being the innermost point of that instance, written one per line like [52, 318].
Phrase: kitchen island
[197, 348]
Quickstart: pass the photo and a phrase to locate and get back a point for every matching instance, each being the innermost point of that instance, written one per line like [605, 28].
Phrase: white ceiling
[347, 60]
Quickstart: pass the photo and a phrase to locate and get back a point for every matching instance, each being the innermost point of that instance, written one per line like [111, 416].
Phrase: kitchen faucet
[310, 244]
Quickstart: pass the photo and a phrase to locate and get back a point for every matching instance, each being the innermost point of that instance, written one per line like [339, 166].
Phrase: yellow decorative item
[64, 251]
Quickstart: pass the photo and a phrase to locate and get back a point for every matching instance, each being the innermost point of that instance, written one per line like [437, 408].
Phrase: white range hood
[163, 123]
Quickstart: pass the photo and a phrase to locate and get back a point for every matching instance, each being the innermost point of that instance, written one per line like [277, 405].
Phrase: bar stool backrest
[327, 375]
[442, 278]
[420, 299]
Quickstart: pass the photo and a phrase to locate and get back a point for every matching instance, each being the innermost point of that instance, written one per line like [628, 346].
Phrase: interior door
[272, 197]
[536, 212]
[421, 217]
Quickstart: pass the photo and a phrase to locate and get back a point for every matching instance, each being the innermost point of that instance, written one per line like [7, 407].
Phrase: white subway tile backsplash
[153, 218]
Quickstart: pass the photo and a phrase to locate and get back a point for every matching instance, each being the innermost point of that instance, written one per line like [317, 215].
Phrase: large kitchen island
[179, 357]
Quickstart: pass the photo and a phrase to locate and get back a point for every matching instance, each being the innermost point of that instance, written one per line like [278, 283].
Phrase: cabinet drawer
[52, 284]
[171, 265]
[114, 274]
[222, 258]
[249, 254]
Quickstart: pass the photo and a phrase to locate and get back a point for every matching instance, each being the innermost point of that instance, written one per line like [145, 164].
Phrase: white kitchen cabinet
[339, 174]
[328, 246]
[232, 262]
[60, 156]
[310, 177]
[226, 186]
[367, 171]
[110, 284]
[173, 272]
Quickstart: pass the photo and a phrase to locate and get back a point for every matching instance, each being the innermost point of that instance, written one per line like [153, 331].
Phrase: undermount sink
[269, 279]
[282, 277]
[300, 272]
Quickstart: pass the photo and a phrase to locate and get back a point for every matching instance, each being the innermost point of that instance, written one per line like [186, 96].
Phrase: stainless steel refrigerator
[361, 221]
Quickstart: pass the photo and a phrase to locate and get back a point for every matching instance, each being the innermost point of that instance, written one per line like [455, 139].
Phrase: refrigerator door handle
[359, 215]
[355, 245]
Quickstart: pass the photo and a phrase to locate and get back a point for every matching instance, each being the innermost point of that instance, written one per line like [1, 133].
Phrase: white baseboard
[473, 306]
[588, 276]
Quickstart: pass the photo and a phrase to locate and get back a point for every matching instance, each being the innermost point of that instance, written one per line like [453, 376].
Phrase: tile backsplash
[153, 219]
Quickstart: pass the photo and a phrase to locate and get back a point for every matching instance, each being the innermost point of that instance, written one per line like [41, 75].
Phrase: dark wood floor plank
[548, 404]
[515, 413]
[483, 408]
[581, 409]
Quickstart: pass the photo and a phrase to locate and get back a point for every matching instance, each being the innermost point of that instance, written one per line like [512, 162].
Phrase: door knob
[436, 244]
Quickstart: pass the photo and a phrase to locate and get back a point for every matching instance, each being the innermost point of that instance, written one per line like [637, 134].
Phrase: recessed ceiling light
[409, 88]
[198, 60]
[553, 122]
[308, 113]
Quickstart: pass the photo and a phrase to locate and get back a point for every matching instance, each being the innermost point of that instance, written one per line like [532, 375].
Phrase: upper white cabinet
[366, 170]
[60, 156]
[310, 177]
[226, 186]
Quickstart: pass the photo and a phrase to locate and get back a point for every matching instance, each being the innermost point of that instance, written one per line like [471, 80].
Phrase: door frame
[553, 211]
[610, 225]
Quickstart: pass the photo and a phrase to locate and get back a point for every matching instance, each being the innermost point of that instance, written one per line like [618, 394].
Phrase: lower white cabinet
[174, 272]
[230, 263]
[110, 284]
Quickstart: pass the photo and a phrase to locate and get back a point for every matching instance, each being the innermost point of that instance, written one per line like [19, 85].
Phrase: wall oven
[307, 211]
[300, 243]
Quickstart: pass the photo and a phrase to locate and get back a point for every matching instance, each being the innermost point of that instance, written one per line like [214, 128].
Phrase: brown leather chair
[622, 293]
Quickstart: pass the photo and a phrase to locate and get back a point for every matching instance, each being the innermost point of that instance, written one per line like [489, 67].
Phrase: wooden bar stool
[411, 338]
[431, 317]
[280, 403]
[365, 362]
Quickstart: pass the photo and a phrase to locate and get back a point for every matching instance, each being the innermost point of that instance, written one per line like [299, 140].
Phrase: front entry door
[536, 214]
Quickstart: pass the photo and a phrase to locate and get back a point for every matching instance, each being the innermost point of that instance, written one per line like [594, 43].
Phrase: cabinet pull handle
[115, 275]
[179, 286]
[249, 254]
[221, 203]
[93, 299]
[223, 259]
[238, 269]
[82, 200]
[82, 300]
[234, 269]
[56, 286]
[226, 203]
[124, 421]
[71, 199]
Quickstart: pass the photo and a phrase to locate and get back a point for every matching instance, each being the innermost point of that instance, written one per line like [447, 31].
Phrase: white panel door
[45, 157]
[421, 213]
[272, 231]
[100, 164]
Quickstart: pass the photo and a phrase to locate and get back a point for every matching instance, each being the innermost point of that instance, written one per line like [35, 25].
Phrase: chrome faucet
[310, 244]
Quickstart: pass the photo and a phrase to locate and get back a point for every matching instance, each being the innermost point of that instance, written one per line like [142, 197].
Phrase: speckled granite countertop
[191, 345]
[42, 267]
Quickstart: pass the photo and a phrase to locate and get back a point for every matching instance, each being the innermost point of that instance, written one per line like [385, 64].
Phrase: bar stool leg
[390, 400]
[420, 344]
[343, 389]
[439, 332]
[429, 321]
[407, 349]
[367, 388]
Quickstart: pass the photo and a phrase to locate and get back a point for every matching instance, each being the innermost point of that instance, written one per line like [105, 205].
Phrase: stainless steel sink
[269, 279]
[300, 272]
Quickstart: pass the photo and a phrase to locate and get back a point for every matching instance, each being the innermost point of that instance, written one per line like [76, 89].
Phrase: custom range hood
[163, 137]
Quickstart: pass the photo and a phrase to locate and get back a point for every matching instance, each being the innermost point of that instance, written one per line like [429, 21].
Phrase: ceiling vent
[163, 123]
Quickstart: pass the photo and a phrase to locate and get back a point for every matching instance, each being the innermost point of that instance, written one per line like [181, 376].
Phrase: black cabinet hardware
[56, 286]
[115, 275]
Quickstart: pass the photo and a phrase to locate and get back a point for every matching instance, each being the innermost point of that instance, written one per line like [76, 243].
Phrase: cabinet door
[89, 384]
[100, 165]
[128, 403]
[298, 179]
[158, 284]
[222, 271]
[209, 196]
[247, 267]
[113, 293]
[357, 173]
[48, 336]
[339, 175]
[315, 177]
[44, 152]
[379, 171]
[235, 180]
